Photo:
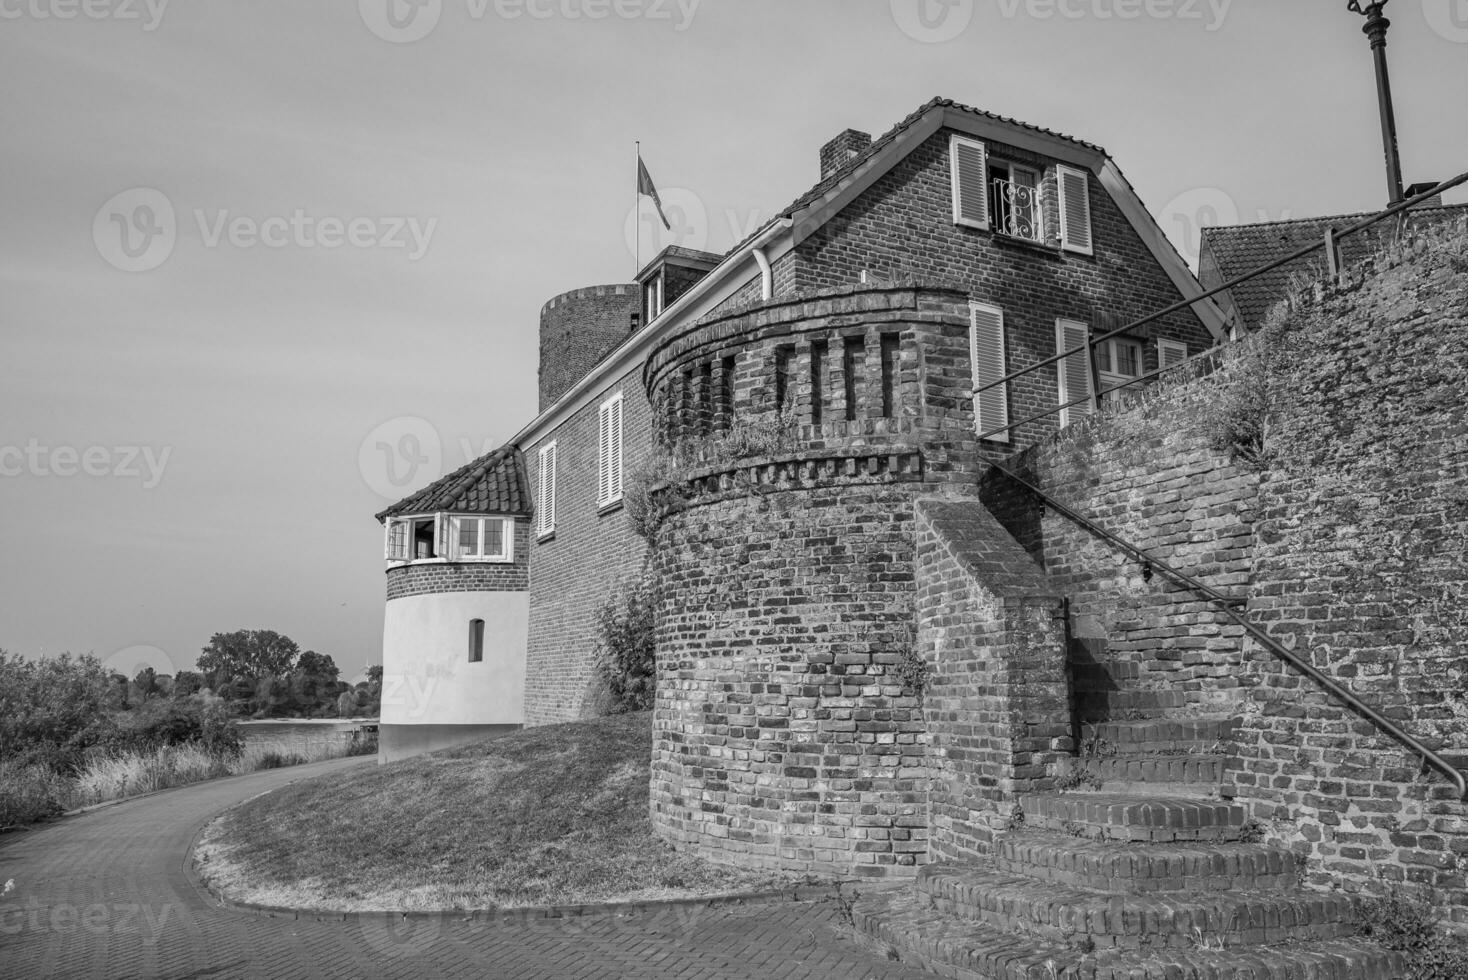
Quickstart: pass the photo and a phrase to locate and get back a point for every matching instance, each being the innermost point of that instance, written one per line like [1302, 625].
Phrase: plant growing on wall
[627, 645]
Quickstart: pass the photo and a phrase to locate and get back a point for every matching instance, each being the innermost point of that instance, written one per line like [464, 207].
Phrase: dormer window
[449, 538]
[652, 298]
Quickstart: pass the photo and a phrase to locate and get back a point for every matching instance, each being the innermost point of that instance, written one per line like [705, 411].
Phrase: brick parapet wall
[992, 633]
[1149, 475]
[1360, 566]
[429, 577]
[591, 555]
[825, 352]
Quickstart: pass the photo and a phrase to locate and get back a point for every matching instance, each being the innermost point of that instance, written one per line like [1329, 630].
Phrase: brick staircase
[1148, 876]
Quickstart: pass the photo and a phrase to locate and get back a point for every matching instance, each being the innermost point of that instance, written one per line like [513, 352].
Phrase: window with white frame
[652, 297]
[609, 451]
[1119, 361]
[450, 537]
[545, 492]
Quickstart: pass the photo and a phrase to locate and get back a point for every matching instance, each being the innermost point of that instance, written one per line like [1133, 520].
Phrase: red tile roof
[493, 484]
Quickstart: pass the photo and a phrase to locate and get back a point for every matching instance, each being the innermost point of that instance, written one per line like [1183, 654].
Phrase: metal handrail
[1230, 604]
[1188, 303]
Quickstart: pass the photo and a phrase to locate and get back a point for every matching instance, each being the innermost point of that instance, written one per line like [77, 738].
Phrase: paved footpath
[108, 895]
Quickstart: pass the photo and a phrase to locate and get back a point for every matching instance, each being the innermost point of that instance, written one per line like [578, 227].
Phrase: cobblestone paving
[108, 894]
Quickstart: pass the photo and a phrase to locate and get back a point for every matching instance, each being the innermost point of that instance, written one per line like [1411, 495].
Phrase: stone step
[1160, 736]
[1108, 866]
[1063, 915]
[903, 923]
[1130, 817]
[1141, 767]
[1107, 704]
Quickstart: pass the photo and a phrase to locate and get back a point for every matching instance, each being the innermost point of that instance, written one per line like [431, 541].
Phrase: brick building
[876, 655]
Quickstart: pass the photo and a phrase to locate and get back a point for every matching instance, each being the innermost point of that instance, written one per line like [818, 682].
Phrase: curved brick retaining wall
[786, 733]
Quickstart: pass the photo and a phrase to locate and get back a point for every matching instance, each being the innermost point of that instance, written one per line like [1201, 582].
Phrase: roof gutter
[621, 360]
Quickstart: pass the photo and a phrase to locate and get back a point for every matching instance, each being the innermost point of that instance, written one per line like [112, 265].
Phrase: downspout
[767, 275]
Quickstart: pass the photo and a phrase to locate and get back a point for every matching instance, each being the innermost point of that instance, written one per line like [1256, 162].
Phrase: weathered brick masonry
[590, 554]
[579, 328]
[1349, 546]
[785, 733]
[423, 578]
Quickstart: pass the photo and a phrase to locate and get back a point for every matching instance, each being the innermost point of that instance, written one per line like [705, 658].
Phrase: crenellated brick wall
[785, 732]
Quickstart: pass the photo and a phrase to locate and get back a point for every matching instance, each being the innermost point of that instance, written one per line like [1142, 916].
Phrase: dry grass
[548, 816]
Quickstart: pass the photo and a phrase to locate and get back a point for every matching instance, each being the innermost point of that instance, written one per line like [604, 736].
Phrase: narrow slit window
[818, 351]
[726, 396]
[706, 398]
[476, 641]
[890, 352]
[782, 378]
[853, 352]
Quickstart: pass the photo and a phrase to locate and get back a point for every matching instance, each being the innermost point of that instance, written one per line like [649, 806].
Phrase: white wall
[427, 678]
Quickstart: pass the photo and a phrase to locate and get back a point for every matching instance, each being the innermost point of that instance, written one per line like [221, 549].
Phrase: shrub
[627, 646]
[363, 743]
[29, 793]
[52, 710]
[1412, 927]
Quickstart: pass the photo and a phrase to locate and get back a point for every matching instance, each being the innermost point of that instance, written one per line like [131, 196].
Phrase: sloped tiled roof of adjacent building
[1229, 251]
[492, 484]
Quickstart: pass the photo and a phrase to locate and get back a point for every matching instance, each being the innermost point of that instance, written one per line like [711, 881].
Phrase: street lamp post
[1375, 29]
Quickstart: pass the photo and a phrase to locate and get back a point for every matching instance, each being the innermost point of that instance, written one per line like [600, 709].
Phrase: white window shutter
[603, 454]
[1170, 353]
[1075, 209]
[615, 477]
[969, 164]
[1075, 370]
[986, 353]
[545, 496]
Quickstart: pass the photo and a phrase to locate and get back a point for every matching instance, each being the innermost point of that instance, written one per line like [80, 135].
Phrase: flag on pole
[646, 186]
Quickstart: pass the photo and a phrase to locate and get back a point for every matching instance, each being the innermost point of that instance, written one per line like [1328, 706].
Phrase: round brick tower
[577, 329]
[787, 732]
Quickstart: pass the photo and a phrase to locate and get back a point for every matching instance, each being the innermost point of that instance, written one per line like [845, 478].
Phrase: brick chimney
[1436, 201]
[840, 151]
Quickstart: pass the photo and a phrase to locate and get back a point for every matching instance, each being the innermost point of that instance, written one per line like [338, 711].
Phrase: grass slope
[547, 816]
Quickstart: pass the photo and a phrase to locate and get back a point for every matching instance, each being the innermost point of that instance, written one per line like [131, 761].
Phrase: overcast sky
[247, 245]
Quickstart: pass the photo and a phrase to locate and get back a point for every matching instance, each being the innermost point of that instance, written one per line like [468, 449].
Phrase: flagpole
[637, 215]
